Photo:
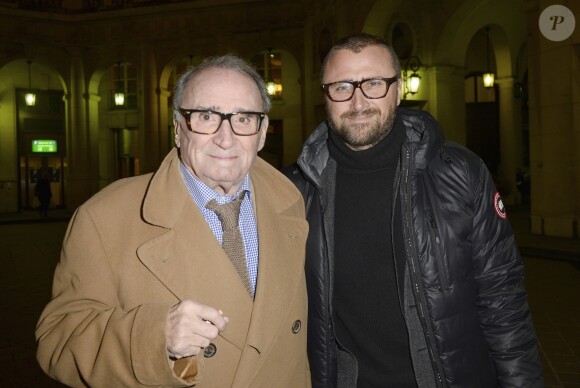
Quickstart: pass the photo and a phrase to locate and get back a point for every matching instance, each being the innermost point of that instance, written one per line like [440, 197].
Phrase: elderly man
[414, 278]
[192, 276]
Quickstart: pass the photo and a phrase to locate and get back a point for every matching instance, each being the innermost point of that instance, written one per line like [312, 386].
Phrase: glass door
[32, 168]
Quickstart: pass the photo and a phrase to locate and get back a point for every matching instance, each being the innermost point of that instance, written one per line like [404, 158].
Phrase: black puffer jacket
[465, 299]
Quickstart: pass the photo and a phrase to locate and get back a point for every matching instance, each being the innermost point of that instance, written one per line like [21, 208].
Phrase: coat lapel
[189, 261]
[186, 257]
[281, 267]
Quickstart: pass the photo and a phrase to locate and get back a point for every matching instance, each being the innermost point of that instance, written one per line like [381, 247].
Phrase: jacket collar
[422, 131]
[166, 195]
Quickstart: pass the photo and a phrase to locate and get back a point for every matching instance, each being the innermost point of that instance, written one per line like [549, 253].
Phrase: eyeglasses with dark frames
[208, 122]
[371, 88]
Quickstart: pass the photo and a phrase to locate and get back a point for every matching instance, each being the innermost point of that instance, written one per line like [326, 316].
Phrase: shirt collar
[202, 194]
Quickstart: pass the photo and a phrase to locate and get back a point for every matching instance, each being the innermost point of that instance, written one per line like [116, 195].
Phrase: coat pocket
[438, 253]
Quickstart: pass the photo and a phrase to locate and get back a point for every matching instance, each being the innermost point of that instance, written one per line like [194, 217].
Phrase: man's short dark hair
[356, 43]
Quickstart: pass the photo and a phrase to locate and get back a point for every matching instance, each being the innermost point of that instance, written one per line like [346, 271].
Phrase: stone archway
[379, 16]
[507, 33]
[445, 73]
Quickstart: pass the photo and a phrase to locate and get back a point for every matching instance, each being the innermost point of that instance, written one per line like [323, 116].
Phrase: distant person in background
[43, 193]
[523, 185]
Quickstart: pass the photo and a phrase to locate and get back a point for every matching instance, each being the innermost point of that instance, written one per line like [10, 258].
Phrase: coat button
[209, 351]
[296, 326]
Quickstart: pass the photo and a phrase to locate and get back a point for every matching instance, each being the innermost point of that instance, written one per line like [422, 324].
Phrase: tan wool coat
[140, 246]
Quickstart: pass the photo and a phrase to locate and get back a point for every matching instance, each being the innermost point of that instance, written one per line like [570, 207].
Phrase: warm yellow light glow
[271, 86]
[488, 80]
[30, 99]
[119, 98]
[411, 79]
[413, 83]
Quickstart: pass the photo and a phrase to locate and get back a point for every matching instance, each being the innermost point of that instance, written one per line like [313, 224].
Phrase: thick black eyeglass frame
[186, 113]
[358, 84]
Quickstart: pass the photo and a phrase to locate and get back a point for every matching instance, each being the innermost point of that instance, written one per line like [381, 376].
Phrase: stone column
[308, 81]
[79, 150]
[151, 134]
[554, 100]
[447, 101]
[510, 132]
[166, 141]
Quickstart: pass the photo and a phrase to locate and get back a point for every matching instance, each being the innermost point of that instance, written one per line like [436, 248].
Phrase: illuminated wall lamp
[30, 96]
[119, 95]
[271, 87]
[270, 84]
[488, 76]
[488, 80]
[119, 98]
[411, 82]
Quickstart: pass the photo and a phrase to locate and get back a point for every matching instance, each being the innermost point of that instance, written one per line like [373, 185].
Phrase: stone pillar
[99, 160]
[166, 141]
[79, 150]
[510, 132]
[554, 102]
[447, 101]
[309, 80]
[151, 134]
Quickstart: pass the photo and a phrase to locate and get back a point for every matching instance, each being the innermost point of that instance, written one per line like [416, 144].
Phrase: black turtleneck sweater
[367, 314]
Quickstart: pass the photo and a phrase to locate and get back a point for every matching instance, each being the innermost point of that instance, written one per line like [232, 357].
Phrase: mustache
[351, 114]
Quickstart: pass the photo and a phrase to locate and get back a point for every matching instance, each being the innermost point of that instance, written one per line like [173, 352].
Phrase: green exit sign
[43, 145]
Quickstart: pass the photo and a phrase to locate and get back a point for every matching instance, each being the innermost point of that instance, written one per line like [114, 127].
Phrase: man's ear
[176, 129]
[399, 90]
[263, 132]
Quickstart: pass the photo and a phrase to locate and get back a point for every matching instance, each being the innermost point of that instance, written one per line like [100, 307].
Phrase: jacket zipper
[415, 278]
[439, 258]
[327, 284]
[396, 185]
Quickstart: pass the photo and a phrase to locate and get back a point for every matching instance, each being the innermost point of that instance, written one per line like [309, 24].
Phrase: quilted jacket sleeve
[502, 299]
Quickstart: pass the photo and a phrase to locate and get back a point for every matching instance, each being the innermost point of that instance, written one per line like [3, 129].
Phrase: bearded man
[414, 278]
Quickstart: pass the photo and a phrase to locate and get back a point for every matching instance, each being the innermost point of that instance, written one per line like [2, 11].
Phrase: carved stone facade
[74, 47]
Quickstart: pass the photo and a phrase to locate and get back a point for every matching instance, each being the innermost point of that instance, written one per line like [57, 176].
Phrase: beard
[363, 136]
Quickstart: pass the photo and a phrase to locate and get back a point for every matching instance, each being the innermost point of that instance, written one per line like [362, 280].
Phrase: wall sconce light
[411, 82]
[270, 84]
[30, 96]
[488, 76]
[119, 94]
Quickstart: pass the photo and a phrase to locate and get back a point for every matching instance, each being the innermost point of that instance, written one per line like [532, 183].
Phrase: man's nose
[358, 98]
[225, 132]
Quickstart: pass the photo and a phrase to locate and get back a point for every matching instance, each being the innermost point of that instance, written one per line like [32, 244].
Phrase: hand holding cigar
[187, 331]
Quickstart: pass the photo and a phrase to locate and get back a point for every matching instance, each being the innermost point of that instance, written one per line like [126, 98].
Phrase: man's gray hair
[227, 62]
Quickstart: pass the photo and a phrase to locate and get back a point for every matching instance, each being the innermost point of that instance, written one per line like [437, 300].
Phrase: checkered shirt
[202, 194]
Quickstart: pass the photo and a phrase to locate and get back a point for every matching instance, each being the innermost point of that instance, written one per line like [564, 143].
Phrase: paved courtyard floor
[30, 250]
